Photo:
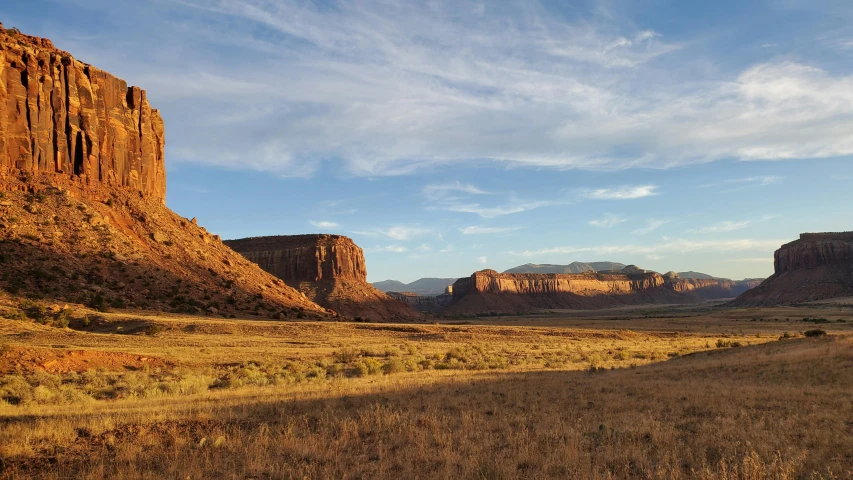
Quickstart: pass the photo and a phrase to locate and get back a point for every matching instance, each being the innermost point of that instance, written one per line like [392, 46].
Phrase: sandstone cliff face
[489, 290]
[329, 269]
[814, 250]
[305, 258]
[60, 116]
[818, 266]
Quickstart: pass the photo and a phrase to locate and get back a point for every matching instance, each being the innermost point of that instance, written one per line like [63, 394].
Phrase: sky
[446, 137]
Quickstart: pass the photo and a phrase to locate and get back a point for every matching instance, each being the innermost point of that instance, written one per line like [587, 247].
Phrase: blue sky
[449, 136]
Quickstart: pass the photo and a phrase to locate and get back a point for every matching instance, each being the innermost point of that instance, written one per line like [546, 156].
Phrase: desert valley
[135, 343]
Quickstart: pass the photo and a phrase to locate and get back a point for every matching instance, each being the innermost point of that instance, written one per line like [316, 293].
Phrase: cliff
[490, 291]
[818, 266]
[82, 190]
[329, 269]
[60, 116]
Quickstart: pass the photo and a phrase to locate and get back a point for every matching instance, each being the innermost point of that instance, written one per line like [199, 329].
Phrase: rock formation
[60, 116]
[818, 266]
[424, 303]
[82, 190]
[574, 267]
[490, 291]
[329, 269]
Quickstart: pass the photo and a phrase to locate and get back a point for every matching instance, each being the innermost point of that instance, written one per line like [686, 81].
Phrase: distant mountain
[575, 267]
[390, 286]
[699, 276]
[423, 286]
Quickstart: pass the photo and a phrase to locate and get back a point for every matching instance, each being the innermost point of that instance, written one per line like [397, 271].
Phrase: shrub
[153, 330]
[816, 332]
[394, 365]
[346, 355]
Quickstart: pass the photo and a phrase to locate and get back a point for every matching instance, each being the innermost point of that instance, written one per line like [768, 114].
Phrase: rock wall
[328, 269]
[423, 303]
[60, 116]
[813, 250]
[305, 258]
[489, 290]
[816, 267]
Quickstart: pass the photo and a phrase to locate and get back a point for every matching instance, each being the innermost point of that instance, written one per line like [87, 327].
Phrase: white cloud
[651, 226]
[621, 193]
[479, 230]
[393, 87]
[501, 210]
[398, 232]
[760, 181]
[608, 221]
[726, 226]
[424, 248]
[388, 249]
[441, 191]
[324, 224]
[654, 257]
[680, 246]
[482, 260]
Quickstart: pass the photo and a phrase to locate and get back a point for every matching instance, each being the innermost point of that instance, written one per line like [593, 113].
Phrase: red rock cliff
[304, 258]
[488, 290]
[818, 266]
[329, 269]
[813, 250]
[61, 116]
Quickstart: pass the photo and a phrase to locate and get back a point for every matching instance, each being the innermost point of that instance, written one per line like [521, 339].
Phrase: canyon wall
[305, 258]
[328, 269]
[818, 266]
[490, 291]
[60, 116]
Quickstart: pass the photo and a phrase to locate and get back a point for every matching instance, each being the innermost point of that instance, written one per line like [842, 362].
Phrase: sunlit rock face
[61, 116]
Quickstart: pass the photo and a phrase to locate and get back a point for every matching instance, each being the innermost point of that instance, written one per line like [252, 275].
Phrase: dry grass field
[661, 393]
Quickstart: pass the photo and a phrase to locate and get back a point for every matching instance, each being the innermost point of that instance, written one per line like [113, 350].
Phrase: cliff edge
[60, 116]
[818, 266]
[329, 269]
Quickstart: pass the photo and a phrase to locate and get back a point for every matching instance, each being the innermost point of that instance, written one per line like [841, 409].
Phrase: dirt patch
[51, 360]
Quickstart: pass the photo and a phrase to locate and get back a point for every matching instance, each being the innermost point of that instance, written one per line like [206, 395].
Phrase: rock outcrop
[490, 291]
[60, 116]
[329, 269]
[424, 303]
[818, 266]
[82, 190]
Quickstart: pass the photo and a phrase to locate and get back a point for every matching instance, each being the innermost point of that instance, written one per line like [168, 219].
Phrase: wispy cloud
[651, 226]
[608, 221]
[726, 226]
[387, 249]
[398, 232]
[680, 246]
[760, 181]
[767, 259]
[731, 226]
[514, 206]
[480, 230]
[440, 191]
[621, 193]
[324, 224]
[482, 260]
[388, 88]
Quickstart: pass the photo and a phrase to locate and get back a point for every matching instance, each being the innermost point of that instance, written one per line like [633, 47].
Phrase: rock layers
[82, 191]
[59, 116]
[818, 266]
[329, 269]
[490, 291]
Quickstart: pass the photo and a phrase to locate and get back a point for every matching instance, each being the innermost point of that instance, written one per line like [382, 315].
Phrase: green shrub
[153, 330]
[394, 365]
[815, 333]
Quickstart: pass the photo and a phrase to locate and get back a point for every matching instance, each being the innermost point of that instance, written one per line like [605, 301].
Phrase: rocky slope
[818, 266]
[63, 117]
[329, 269]
[490, 291]
[82, 191]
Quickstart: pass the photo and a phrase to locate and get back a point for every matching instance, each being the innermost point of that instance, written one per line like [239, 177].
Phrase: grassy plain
[632, 393]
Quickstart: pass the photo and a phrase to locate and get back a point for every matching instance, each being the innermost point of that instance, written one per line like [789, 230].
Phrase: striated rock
[490, 291]
[818, 266]
[59, 116]
[308, 258]
[328, 269]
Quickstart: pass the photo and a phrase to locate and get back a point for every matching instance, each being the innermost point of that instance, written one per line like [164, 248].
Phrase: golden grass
[514, 402]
